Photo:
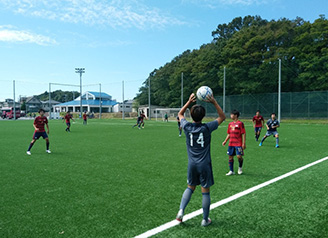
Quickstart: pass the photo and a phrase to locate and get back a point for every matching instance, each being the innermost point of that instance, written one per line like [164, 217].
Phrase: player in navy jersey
[140, 121]
[198, 140]
[38, 125]
[237, 144]
[272, 125]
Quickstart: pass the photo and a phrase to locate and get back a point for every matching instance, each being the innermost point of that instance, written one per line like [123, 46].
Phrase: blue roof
[97, 94]
[88, 102]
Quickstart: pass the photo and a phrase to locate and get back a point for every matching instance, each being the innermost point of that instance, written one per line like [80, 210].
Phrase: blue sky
[43, 41]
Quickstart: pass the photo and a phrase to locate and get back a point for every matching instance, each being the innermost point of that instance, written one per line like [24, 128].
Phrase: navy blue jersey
[272, 123]
[198, 140]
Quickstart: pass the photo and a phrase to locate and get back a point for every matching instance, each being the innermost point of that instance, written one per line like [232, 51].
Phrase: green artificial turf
[109, 180]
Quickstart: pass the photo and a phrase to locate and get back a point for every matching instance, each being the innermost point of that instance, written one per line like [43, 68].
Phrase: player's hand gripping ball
[203, 92]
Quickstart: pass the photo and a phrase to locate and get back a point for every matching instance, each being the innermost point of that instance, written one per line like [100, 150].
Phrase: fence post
[290, 104]
[308, 95]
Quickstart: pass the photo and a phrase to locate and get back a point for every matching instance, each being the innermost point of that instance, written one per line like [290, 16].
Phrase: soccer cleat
[28, 152]
[230, 173]
[240, 171]
[277, 146]
[260, 144]
[179, 216]
[206, 223]
[48, 151]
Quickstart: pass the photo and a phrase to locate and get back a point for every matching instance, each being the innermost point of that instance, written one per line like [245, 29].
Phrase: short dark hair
[41, 110]
[235, 112]
[197, 112]
[258, 111]
[273, 114]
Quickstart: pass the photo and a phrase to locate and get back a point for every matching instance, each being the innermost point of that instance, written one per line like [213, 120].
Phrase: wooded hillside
[59, 95]
[249, 48]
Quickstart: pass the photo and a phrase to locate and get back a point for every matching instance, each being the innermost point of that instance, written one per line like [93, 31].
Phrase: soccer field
[109, 180]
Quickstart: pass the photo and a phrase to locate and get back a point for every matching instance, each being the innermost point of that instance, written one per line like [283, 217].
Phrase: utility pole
[149, 116]
[80, 71]
[181, 89]
[224, 85]
[100, 101]
[14, 104]
[49, 100]
[279, 92]
[123, 111]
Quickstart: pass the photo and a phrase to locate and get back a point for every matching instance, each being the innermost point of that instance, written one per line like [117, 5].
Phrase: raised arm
[191, 99]
[219, 110]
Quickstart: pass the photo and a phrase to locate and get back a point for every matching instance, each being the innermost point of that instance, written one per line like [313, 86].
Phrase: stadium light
[80, 71]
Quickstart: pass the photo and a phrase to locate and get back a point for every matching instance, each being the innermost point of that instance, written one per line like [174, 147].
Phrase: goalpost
[172, 113]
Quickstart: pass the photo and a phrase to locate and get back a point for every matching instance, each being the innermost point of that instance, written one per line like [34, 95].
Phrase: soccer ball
[203, 92]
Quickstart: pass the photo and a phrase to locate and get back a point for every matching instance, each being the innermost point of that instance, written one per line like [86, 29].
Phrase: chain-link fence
[293, 104]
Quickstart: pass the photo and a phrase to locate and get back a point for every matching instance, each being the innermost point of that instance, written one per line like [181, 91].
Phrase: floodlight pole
[80, 71]
[279, 92]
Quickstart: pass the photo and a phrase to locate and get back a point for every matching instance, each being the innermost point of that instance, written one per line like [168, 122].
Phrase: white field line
[226, 200]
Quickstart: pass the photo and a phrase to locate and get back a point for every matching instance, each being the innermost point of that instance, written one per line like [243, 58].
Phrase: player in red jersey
[38, 125]
[84, 118]
[258, 122]
[68, 117]
[142, 121]
[237, 144]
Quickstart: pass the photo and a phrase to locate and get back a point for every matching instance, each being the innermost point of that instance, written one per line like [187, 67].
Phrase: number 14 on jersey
[199, 141]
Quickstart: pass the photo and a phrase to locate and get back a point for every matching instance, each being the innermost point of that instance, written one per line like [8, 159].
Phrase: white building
[91, 102]
[128, 106]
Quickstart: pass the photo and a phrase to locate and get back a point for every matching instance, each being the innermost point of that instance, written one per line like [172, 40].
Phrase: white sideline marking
[224, 201]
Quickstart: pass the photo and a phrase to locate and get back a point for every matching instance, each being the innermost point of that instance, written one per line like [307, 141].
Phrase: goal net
[169, 114]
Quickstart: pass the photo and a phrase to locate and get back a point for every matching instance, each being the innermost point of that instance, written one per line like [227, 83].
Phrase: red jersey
[142, 116]
[84, 116]
[258, 121]
[39, 123]
[68, 117]
[235, 130]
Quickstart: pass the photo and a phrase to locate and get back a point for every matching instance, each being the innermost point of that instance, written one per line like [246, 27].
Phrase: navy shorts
[200, 175]
[269, 133]
[235, 150]
[258, 129]
[37, 135]
[68, 124]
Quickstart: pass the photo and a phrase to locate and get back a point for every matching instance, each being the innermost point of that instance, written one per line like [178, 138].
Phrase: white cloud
[9, 34]
[218, 3]
[113, 13]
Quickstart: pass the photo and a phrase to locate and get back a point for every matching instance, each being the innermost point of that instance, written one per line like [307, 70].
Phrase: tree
[249, 48]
